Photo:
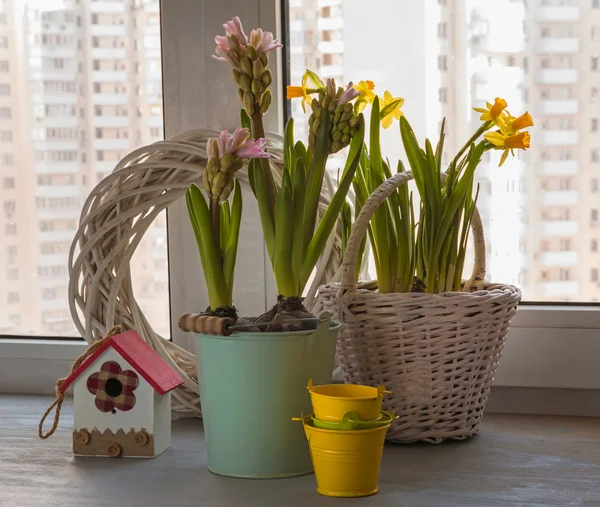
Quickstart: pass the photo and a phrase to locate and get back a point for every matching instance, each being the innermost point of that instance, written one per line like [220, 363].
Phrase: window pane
[540, 210]
[80, 87]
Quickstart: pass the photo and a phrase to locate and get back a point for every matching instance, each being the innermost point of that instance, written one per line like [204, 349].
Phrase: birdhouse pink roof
[140, 356]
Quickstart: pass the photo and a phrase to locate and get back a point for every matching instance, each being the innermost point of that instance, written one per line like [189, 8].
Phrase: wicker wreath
[114, 219]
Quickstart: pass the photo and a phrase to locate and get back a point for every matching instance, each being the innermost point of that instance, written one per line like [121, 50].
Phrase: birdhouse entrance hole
[113, 387]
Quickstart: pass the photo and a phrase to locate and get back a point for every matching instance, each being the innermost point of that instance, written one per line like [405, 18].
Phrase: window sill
[515, 459]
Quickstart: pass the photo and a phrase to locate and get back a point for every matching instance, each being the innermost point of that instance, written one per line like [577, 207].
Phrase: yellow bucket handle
[310, 384]
[382, 390]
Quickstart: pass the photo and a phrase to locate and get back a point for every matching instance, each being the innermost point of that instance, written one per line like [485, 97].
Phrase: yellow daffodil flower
[514, 125]
[304, 91]
[508, 143]
[366, 94]
[493, 112]
[390, 109]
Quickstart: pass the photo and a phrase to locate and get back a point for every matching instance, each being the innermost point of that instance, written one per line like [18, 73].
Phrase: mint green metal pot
[251, 386]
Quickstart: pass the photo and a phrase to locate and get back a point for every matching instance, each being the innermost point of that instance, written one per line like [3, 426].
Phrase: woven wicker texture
[437, 353]
[113, 221]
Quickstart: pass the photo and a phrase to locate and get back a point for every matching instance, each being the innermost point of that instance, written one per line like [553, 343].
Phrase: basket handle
[359, 229]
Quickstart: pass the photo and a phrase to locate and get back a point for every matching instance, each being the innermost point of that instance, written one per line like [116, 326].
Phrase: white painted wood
[87, 416]
[162, 422]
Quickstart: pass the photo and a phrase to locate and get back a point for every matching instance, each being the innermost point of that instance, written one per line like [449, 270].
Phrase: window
[594, 215]
[595, 63]
[443, 95]
[8, 183]
[10, 229]
[565, 275]
[595, 4]
[594, 245]
[594, 185]
[595, 155]
[12, 274]
[594, 275]
[5, 113]
[12, 298]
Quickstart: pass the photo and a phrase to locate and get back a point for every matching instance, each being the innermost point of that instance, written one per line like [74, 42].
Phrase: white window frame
[548, 346]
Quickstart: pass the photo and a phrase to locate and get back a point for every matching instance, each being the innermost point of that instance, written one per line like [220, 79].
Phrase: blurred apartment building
[80, 87]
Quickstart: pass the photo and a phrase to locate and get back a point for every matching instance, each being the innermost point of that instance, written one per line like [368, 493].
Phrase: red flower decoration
[113, 387]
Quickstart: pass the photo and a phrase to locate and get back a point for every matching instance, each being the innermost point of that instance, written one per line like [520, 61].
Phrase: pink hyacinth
[239, 144]
[262, 41]
[350, 94]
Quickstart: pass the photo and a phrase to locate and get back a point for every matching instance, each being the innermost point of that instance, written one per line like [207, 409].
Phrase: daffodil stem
[485, 126]
[258, 131]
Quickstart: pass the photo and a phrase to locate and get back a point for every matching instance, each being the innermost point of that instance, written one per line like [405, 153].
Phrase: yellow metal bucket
[346, 463]
[332, 401]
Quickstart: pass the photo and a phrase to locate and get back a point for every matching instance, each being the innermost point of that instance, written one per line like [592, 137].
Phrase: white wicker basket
[437, 353]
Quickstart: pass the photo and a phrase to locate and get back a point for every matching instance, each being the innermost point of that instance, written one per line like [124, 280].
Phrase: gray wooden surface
[531, 461]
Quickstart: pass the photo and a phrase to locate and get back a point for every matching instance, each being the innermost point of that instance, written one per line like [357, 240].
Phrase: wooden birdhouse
[122, 400]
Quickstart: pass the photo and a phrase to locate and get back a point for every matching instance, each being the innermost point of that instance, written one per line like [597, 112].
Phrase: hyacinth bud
[248, 103]
[264, 59]
[353, 120]
[227, 161]
[236, 42]
[337, 136]
[206, 182]
[218, 184]
[250, 52]
[213, 164]
[265, 102]
[257, 69]
[236, 75]
[238, 163]
[226, 191]
[266, 78]
[246, 66]
[234, 55]
[240, 94]
[257, 87]
[245, 82]
[335, 147]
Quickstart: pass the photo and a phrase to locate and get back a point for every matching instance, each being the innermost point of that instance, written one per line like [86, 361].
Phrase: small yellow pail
[346, 463]
[330, 402]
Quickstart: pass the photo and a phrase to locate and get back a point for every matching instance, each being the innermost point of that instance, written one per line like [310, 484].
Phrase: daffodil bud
[234, 55]
[227, 161]
[246, 66]
[265, 103]
[248, 103]
[245, 82]
[250, 52]
[257, 69]
[266, 78]
[256, 87]
[264, 58]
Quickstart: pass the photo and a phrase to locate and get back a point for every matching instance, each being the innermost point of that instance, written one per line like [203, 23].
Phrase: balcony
[558, 289]
[559, 259]
[55, 259]
[101, 99]
[559, 137]
[112, 144]
[108, 30]
[332, 71]
[109, 53]
[559, 168]
[100, 6]
[558, 45]
[110, 76]
[560, 228]
[56, 236]
[331, 47]
[557, 76]
[56, 144]
[60, 213]
[561, 14]
[55, 98]
[58, 191]
[58, 122]
[111, 121]
[559, 198]
[557, 107]
[57, 167]
[333, 23]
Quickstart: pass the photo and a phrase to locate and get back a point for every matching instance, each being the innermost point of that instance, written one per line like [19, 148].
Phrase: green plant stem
[258, 131]
[215, 216]
[485, 126]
